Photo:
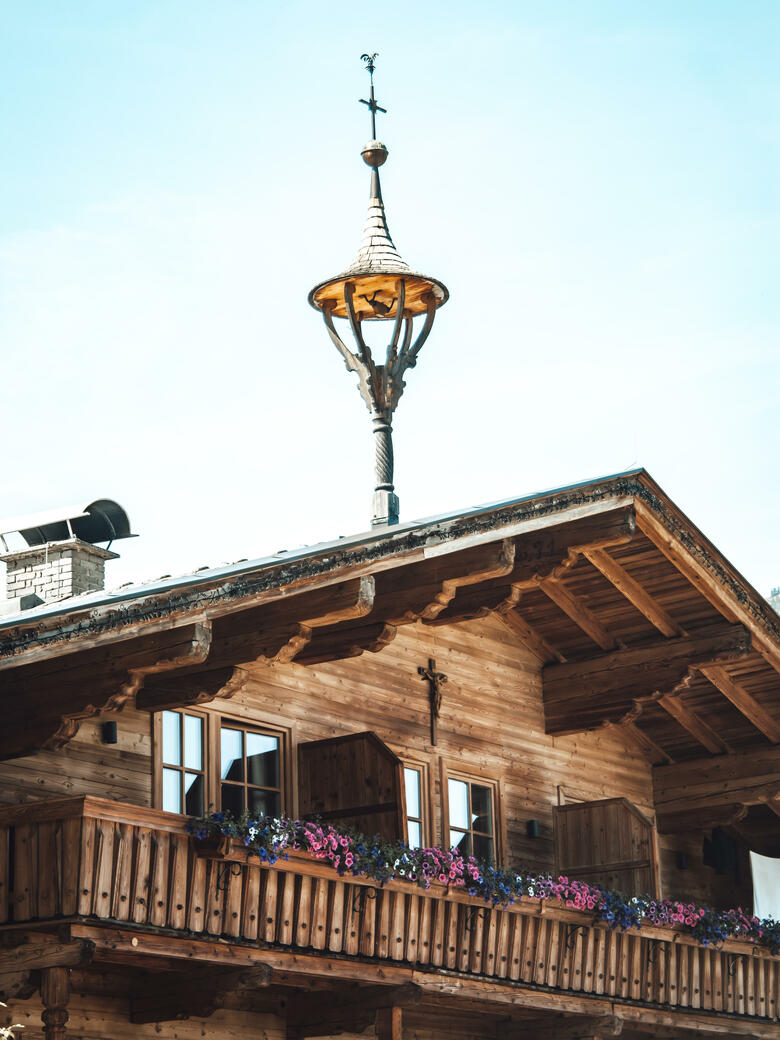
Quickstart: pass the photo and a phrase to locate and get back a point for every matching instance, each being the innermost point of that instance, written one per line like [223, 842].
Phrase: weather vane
[372, 105]
[379, 286]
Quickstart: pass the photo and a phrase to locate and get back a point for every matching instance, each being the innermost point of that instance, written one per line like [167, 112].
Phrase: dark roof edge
[193, 595]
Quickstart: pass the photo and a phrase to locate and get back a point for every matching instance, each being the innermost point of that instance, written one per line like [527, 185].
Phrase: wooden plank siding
[491, 726]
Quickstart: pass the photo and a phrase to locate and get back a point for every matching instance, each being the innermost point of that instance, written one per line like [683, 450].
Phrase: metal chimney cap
[101, 521]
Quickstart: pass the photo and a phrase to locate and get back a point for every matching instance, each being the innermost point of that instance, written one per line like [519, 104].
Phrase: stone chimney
[54, 571]
[57, 557]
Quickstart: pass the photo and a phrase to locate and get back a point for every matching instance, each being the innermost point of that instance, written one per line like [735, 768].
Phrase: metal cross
[372, 105]
[435, 680]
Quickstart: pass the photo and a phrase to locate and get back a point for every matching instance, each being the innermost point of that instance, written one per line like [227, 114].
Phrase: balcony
[130, 880]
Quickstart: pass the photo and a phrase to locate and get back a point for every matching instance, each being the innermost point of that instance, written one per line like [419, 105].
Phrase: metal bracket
[224, 873]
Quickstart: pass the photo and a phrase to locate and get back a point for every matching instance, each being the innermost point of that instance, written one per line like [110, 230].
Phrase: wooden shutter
[608, 843]
[353, 781]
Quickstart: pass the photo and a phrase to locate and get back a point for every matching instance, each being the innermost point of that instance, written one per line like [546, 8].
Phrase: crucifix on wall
[435, 682]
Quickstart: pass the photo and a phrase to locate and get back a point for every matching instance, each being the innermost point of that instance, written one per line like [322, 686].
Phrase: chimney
[60, 558]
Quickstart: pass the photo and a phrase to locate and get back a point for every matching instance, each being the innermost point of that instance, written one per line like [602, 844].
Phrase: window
[471, 818]
[414, 806]
[206, 761]
[183, 758]
[249, 771]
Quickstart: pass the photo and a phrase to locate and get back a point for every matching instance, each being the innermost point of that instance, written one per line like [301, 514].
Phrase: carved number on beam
[581, 615]
[743, 701]
[632, 590]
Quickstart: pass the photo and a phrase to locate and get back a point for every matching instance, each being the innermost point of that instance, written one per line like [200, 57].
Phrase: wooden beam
[601, 688]
[633, 591]
[179, 691]
[423, 591]
[694, 724]
[33, 955]
[558, 1027]
[59, 693]
[388, 1024]
[548, 553]
[136, 946]
[195, 993]
[729, 781]
[277, 631]
[641, 740]
[743, 701]
[696, 821]
[55, 996]
[532, 639]
[351, 1010]
[576, 609]
[409, 594]
[343, 641]
[716, 592]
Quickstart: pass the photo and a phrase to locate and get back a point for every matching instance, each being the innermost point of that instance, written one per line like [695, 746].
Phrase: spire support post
[379, 286]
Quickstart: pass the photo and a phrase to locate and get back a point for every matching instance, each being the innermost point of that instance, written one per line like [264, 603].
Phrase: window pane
[461, 842]
[171, 789]
[412, 784]
[481, 809]
[232, 754]
[171, 734]
[263, 803]
[483, 848]
[232, 799]
[193, 794]
[459, 804]
[262, 759]
[415, 836]
[193, 741]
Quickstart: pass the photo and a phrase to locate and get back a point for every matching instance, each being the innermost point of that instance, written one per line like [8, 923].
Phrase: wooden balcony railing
[87, 858]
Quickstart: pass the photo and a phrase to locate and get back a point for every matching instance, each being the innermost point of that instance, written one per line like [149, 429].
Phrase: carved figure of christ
[435, 682]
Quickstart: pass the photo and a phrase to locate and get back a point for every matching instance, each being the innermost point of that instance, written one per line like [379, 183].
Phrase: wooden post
[55, 994]
[389, 1023]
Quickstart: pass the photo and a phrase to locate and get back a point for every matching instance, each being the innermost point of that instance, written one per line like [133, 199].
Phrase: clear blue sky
[597, 183]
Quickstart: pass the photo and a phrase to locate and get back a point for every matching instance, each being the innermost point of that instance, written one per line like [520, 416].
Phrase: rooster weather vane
[379, 285]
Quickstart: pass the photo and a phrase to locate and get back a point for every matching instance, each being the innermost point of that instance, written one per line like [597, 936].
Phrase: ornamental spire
[379, 285]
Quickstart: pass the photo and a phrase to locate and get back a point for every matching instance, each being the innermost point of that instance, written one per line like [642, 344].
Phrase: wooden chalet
[572, 683]
[611, 703]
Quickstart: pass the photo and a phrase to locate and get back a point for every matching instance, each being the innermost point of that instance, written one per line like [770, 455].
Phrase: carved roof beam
[634, 592]
[605, 687]
[575, 608]
[715, 591]
[743, 701]
[693, 723]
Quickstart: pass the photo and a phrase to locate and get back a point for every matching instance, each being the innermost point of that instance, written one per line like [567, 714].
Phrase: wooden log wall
[491, 726]
[96, 860]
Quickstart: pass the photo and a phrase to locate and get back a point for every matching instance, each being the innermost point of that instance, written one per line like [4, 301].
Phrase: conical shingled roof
[377, 253]
[377, 267]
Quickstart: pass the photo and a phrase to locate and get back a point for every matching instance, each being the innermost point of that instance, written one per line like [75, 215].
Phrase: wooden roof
[636, 619]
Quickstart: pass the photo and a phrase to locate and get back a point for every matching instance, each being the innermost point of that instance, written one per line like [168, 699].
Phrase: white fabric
[766, 886]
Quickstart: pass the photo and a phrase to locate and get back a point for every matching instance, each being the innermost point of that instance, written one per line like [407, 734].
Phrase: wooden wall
[491, 725]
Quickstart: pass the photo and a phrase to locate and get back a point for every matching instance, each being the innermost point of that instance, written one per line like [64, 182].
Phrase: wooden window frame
[248, 726]
[157, 757]
[426, 800]
[213, 722]
[470, 776]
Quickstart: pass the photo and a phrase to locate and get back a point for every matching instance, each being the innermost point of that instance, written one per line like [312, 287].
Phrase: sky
[598, 185]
